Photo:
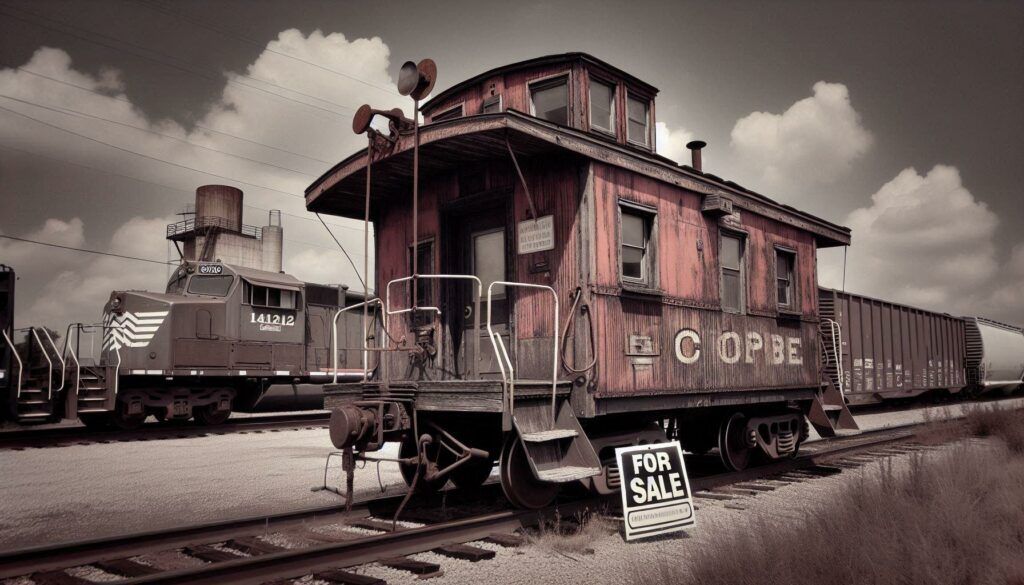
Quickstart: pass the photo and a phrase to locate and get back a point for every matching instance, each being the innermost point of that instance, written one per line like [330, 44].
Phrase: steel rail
[294, 563]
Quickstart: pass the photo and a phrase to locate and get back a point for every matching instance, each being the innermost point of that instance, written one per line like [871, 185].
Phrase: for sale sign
[656, 496]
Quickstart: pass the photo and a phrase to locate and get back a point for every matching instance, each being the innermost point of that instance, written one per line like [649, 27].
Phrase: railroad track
[67, 436]
[328, 542]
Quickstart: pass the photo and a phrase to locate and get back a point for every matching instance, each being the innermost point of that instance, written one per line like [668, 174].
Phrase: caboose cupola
[572, 89]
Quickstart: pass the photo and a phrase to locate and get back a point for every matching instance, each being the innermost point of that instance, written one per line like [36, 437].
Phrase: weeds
[572, 536]
[945, 518]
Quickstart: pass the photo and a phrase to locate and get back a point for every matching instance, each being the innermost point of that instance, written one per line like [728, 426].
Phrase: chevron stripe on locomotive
[553, 289]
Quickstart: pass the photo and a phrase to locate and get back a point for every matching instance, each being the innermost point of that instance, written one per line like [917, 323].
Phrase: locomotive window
[638, 130]
[263, 296]
[449, 114]
[602, 106]
[731, 259]
[217, 286]
[635, 245]
[549, 100]
[784, 268]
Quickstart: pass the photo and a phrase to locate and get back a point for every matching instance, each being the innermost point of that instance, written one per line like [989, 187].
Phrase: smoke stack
[695, 146]
[273, 243]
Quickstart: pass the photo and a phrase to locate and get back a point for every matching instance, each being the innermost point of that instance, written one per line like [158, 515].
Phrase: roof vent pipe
[695, 146]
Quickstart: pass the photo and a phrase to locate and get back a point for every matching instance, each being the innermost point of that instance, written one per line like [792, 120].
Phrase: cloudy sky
[902, 120]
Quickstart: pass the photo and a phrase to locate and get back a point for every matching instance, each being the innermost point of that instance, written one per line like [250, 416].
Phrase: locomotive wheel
[733, 448]
[408, 449]
[124, 421]
[472, 474]
[521, 488]
[96, 421]
[208, 415]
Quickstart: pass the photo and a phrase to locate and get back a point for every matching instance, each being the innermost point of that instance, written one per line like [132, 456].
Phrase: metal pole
[415, 204]
[366, 254]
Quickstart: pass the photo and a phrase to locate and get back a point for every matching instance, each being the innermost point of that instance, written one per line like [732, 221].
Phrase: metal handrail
[56, 354]
[476, 308]
[49, 378]
[67, 345]
[836, 332]
[366, 347]
[78, 328]
[14, 352]
[511, 379]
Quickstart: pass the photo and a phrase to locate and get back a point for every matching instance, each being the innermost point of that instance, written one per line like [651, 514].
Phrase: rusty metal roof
[453, 143]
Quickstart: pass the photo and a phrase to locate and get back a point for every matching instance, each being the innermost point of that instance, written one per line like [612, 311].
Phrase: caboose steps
[559, 450]
[829, 413]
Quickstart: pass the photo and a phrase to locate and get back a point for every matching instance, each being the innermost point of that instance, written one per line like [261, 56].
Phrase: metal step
[550, 435]
[91, 410]
[567, 473]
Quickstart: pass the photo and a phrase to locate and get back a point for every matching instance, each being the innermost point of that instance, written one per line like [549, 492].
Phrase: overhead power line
[73, 248]
[71, 112]
[228, 33]
[128, 150]
[188, 68]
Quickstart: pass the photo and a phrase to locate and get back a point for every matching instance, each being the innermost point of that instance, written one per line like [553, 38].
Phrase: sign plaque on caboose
[656, 496]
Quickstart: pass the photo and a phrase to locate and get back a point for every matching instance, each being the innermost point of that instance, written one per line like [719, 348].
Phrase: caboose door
[480, 248]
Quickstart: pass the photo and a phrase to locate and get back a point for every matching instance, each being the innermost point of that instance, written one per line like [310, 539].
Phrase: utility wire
[361, 281]
[97, 140]
[216, 76]
[200, 126]
[227, 33]
[70, 112]
[101, 253]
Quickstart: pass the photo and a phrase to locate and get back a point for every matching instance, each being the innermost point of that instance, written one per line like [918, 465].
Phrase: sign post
[656, 497]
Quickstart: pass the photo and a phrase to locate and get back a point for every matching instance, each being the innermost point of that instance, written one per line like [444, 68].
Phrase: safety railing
[476, 307]
[836, 334]
[56, 354]
[17, 358]
[73, 350]
[366, 347]
[509, 376]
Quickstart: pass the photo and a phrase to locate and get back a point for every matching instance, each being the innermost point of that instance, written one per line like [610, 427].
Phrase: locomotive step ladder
[38, 366]
[560, 453]
[94, 394]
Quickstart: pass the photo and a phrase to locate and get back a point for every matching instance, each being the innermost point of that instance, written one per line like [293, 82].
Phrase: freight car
[555, 289]
[220, 337]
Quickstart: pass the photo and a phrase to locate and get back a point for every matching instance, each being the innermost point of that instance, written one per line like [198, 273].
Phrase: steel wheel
[472, 474]
[521, 488]
[96, 421]
[733, 448]
[208, 415]
[124, 421]
[408, 449]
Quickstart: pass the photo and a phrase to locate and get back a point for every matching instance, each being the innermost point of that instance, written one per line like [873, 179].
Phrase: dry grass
[996, 421]
[955, 517]
[572, 536]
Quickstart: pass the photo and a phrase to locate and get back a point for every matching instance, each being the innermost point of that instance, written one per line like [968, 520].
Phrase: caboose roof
[535, 63]
[448, 145]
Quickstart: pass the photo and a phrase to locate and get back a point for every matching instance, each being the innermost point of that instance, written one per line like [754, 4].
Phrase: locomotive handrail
[63, 364]
[334, 337]
[476, 308]
[510, 381]
[72, 353]
[17, 358]
[49, 362]
[836, 332]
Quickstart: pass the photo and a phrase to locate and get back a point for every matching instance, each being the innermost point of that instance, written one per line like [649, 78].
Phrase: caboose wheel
[408, 449]
[472, 474]
[521, 488]
[733, 444]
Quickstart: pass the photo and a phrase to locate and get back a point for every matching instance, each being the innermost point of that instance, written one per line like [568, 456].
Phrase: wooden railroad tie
[412, 565]
[208, 553]
[126, 568]
[465, 552]
[58, 577]
[373, 524]
[251, 545]
[505, 539]
[347, 578]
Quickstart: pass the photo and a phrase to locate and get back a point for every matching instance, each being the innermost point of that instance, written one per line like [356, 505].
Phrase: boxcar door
[483, 252]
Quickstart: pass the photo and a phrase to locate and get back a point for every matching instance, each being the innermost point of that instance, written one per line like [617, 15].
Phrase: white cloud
[928, 241]
[812, 143]
[672, 143]
[48, 276]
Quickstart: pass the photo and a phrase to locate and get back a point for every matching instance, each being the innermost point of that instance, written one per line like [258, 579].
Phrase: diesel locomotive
[229, 328]
[552, 289]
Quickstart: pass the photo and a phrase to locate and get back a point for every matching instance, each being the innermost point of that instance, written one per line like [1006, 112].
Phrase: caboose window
[549, 100]
[731, 259]
[785, 260]
[449, 114]
[635, 242]
[639, 121]
[217, 286]
[491, 105]
[602, 106]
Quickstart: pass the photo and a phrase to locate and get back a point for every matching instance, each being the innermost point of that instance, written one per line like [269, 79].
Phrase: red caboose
[571, 291]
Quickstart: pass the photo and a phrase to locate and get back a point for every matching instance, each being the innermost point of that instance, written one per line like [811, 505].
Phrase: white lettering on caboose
[733, 347]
